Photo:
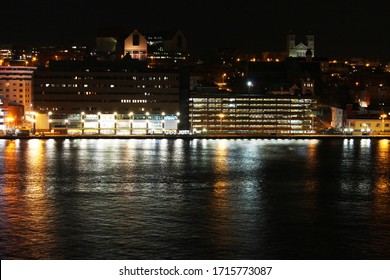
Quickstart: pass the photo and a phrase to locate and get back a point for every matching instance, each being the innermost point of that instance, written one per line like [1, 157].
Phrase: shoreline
[193, 137]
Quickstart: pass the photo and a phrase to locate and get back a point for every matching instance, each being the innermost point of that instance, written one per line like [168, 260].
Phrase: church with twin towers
[297, 48]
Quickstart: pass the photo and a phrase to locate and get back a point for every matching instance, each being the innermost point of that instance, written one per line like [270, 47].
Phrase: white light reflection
[365, 143]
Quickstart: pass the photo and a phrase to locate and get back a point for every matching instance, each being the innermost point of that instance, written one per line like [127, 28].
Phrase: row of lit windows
[252, 126]
[264, 103]
[94, 93]
[238, 120]
[224, 100]
[257, 110]
[115, 76]
[134, 101]
[103, 86]
[224, 105]
[14, 90]
[14, 84]
[251, 112]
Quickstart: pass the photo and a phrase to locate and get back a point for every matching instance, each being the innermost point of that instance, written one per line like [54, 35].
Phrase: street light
[312, 121]
[66, 126]
[131, 117]
[163, 122]
[115, 120]
[221, 116]
[383, 117]
[177, 122]
[249, 84]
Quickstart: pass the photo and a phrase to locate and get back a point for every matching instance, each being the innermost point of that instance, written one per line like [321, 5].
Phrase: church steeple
[290, 41]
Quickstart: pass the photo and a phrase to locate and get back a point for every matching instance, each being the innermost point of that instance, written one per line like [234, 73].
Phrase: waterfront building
[107, 97]
[368, 125]
[11, 115]
[245, 113]
[16, 85]
[337, 115]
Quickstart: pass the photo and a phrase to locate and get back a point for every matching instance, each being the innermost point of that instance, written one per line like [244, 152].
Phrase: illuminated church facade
[300, 49]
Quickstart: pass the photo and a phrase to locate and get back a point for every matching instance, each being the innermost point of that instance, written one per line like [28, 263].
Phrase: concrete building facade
[16, 85]
[109, 98]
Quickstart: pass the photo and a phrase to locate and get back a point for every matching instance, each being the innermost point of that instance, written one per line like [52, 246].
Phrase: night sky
[342, 28]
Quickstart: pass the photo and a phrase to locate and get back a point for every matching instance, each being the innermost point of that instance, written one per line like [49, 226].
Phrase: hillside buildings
[135, 83]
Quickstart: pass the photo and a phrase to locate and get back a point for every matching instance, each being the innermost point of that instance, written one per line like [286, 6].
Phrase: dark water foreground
[195, 199]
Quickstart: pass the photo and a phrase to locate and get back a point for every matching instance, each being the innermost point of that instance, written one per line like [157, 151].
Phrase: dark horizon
[341, 29]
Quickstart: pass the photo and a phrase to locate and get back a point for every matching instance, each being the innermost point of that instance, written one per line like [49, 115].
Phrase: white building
[16, 85]
[379, 125]
[136, 46]
[337, 118]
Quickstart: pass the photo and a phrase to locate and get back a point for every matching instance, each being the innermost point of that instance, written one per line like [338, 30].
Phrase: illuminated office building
[252, 113]
[16, 85]
[105, 97]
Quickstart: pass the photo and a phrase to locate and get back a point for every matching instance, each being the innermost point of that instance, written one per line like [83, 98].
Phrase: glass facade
[249, 114]
[113, 124]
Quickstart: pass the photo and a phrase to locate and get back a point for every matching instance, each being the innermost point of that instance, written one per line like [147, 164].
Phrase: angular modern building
[107, 97]
[244, 113]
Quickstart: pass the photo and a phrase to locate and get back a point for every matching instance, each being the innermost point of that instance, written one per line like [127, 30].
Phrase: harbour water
[195, 199]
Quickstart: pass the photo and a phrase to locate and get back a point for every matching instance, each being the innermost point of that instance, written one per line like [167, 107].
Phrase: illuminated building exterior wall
[2, 116]
[11, 114]
[16, 84]
[299, 50]
[136, 46]
[109, 98]
[166, 48]
[252, 113]
[378, 125]
[6, 54]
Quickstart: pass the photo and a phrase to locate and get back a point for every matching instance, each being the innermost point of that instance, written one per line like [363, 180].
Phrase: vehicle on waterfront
[22, 132]
[366, 131]
[331, 131]
[348, 131]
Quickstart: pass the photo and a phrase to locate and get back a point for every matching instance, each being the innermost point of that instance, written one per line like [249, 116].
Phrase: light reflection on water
[198, 199]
